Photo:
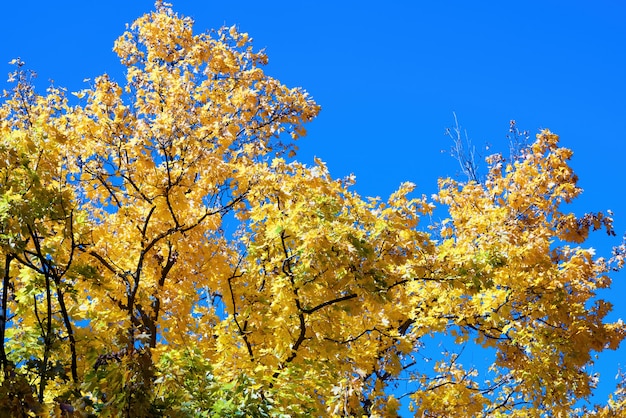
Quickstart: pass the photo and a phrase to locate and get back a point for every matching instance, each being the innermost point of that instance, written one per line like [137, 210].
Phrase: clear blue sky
[389, 76]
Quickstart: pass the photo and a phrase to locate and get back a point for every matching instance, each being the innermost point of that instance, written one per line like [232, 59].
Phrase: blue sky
[389, 76]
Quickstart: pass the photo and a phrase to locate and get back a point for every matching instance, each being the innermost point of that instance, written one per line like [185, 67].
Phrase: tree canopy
[163, 254]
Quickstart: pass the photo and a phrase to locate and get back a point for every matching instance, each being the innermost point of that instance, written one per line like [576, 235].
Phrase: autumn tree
[163, 255]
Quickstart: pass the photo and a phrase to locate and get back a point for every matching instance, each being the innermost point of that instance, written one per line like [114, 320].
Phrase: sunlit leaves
[161, 257]
[530, 293]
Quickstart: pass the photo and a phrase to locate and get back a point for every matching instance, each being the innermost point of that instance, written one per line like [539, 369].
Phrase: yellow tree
[41, 229]
[163, 257]
[161, 167]
[515, 283]
[153, 165]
